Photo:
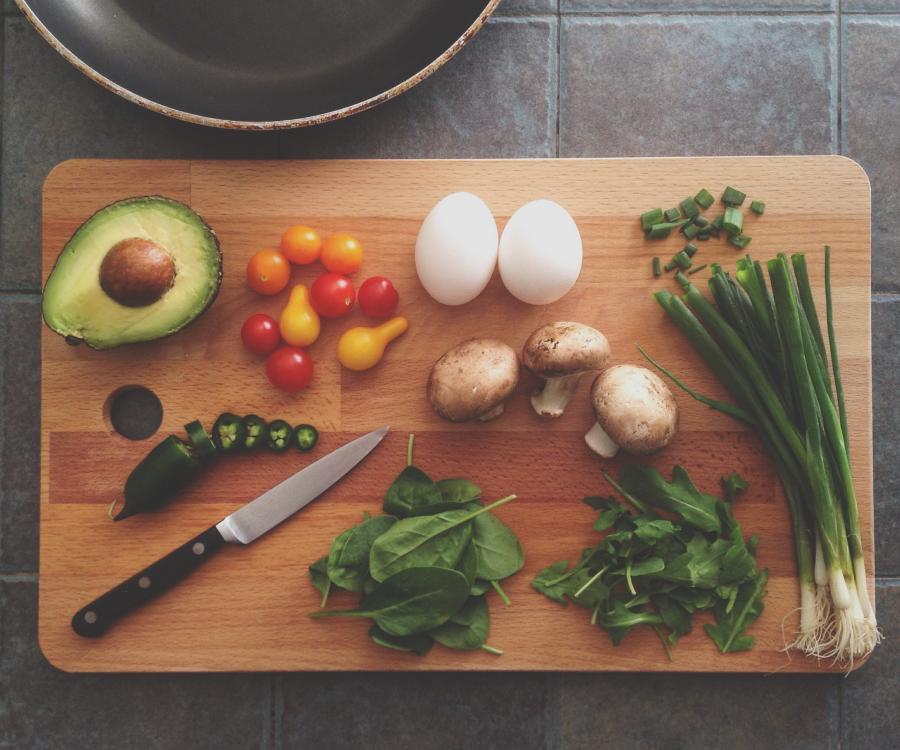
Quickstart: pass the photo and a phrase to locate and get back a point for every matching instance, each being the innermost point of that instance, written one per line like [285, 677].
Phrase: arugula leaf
[679, 496]
[610, 511]
[733, 485]
[411, 491]
[552, 581]
[620, 620]
[728, 632]
[654, 529]
[674, 616]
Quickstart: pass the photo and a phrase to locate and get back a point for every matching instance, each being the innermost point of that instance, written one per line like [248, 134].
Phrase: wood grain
[247, 609]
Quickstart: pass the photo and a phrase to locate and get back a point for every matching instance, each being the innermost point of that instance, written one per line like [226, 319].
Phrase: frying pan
[257, 64]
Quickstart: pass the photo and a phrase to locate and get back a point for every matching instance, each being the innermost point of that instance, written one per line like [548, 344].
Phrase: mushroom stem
[600, 442]
[551, 398]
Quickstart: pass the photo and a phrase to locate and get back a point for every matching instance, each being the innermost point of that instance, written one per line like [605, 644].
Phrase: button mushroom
[635, 411]
[473, 379]
[560, 353]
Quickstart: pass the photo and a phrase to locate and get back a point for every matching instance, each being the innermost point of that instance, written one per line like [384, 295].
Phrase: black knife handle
[93, 620]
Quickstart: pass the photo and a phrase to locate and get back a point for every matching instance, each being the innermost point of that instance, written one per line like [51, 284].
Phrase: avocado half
[137, 270]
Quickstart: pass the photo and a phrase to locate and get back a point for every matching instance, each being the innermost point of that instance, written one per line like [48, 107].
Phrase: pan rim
[229, 124]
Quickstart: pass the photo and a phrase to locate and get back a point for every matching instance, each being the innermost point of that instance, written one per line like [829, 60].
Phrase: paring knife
[245, 525]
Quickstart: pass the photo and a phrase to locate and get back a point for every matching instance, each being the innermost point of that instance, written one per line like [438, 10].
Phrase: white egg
[456, 249]
[540, 253]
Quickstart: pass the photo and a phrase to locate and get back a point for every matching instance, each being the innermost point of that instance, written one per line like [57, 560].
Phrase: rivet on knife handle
[93, 620]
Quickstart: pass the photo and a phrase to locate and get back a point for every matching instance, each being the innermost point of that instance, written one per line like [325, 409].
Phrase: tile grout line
[558, 75]
[21, 577]
[277, 714]
[839, 77]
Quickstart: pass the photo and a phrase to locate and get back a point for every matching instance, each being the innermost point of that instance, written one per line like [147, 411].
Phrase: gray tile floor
[599, 78]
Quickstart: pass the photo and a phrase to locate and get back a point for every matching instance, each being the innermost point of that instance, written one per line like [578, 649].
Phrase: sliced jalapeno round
[229, 433]
[256, 431]
[305, 437]
[279, 435]
[204, 448]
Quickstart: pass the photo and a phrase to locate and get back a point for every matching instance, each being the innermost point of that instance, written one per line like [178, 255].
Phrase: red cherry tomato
[332, 295]
[289, 368]
[378, 298]
[260, 334]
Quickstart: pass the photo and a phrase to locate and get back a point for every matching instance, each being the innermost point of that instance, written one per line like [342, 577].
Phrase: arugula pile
[424, 566]
[658, 570]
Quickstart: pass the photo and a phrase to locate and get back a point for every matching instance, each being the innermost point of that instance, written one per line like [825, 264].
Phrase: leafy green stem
[501, 593]
[409, 449]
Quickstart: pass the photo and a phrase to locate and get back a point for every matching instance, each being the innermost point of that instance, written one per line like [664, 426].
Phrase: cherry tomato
[260, 334]
[301, 244]
[378, 298]
[332, 295]
[289, 368]
[342, 253]
[268, 272]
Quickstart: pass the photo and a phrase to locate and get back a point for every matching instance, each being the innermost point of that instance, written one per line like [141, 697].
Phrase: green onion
[733, 220]
[701, 221]
[690, 249]
[696, 270]
[670, 266]
[662, 230]
[690, 208]
[682, 260]
[690, 230]
[673, 214]
[657, 270]
[704, 234]
[740, 241]
[758, 207]
[651, 217]
[704, 198]
[733, 196]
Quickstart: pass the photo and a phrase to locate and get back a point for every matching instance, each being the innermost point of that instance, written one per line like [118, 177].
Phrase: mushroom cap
[472, 379]
[635, 408]
[565, 348]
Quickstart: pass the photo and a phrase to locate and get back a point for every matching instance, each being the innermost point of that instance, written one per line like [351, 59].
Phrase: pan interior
[257, 60]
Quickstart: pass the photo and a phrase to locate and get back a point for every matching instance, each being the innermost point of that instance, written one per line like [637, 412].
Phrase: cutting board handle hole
[133, 411]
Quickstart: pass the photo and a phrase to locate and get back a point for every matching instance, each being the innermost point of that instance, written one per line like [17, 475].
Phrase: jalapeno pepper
[305, 437]
[229, 433]
[154, 481]
[256, 431]
[279, 438]
[203, 446]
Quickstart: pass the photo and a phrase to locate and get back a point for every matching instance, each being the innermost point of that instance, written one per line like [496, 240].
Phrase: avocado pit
[136, 272]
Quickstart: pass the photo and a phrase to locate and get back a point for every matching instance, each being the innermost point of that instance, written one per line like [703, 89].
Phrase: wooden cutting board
[246, 609]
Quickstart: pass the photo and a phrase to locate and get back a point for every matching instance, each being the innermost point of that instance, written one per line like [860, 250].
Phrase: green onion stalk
[763, 341]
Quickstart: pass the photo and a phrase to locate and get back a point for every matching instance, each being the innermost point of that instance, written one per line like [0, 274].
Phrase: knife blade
[244, 526]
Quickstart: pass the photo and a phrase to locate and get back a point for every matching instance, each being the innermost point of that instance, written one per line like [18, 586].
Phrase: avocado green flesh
[75, 305]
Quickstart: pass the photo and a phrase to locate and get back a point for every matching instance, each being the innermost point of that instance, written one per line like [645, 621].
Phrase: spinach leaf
[412, 490]
[437, 540]
[419, 644]
[468, 628]
[480, 587]
[728, 632]
[348, 560]
[458, 491]
[318, 574]
[468, 564]
[679, 496]
[498, 548]
[415, 600]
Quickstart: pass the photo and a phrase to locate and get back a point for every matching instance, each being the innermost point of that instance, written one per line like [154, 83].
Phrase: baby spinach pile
[675, 552]
[424, 566]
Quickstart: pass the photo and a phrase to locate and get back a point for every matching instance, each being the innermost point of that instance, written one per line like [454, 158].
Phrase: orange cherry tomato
[268, 272]
[342, 253]
[301, 244]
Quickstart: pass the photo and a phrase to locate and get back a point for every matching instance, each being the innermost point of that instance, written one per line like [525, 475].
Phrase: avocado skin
[74, 340]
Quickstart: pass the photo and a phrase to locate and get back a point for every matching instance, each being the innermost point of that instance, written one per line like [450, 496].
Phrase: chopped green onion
[717, 222]
[690, 230]
[701, 221]
[739, 241]
[649, 218]
[673, 214]
[704, 198]
[696, 270]
[733, 220]
[690, 249]
[758, 207]
[733, 196]
[682, 260]
[689, 207]
[704, 234]
[657, 269]
[670, 266]
[662, 230]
